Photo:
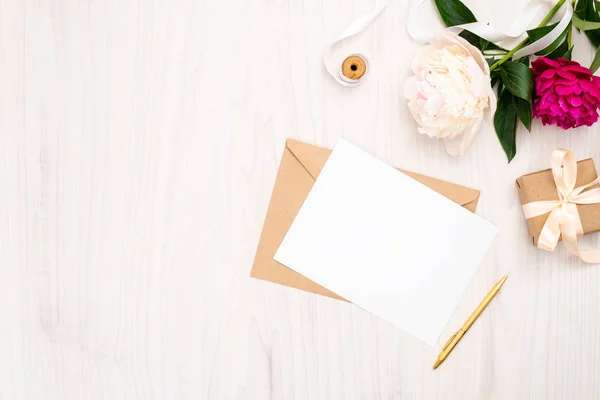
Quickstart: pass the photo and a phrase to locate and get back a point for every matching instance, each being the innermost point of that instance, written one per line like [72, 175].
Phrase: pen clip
[449, 341]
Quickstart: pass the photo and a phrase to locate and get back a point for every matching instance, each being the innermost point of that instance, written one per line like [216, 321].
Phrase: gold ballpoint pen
[454, 339]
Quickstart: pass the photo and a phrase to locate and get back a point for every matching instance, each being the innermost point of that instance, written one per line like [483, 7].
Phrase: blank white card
[386, 242]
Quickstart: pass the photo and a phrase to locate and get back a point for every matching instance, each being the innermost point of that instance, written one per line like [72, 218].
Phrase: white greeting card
[386, 242]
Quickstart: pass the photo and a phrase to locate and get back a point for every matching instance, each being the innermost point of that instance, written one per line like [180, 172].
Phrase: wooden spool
[354, 67]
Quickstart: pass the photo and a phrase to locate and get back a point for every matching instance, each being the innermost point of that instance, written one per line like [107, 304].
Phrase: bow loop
[539, 208]
[564, 170]
[564, 219]
[589, 197]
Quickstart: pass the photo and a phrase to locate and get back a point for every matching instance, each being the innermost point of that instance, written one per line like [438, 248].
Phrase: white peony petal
[450, 92]
[453, 147]
[460, 146]
[415, 111]
[434, 104]
[411, 90]
[472, 50]
[492, 102]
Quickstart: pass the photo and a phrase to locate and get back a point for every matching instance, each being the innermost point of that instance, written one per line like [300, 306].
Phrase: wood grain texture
[139, 145]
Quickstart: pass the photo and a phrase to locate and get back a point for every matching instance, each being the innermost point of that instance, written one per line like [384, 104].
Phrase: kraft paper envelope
[300, 166]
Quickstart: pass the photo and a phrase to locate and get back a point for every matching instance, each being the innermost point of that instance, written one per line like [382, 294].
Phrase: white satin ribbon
[548, 39]
[564, 219]
[357, 26]
[531, 16]
[423, 22]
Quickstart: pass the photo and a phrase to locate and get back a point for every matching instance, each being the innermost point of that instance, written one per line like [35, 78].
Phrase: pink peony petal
[567, 94]
[563, 89]
[542, 64]
[590, 100]
[548, 74]
[574, 101]
[555, 109]
[565, 63]
[590, 88]
[543, 84]
[551, 98]
[566, 74]
[578, 69]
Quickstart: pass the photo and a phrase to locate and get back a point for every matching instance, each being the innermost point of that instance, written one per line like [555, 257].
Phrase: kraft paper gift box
[539, 186]
[300, 166]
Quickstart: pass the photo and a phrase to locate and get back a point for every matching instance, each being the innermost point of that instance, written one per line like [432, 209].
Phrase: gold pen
[454, 339]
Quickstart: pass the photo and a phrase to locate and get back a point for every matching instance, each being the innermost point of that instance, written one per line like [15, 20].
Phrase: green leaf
[555, 45]
[473, 39]
[538, 33]
[523, 111]
[454, 12]
[479, 42]
[587, 11]
[568, 54]
[505, 123]
[523, 107]
[518, 79]
[495, 81]
[495, 78]
[585, 25]
[489, 46]
[595, 61]
[560, 51]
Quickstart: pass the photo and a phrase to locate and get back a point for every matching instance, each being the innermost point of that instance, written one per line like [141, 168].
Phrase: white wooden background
[139, 145]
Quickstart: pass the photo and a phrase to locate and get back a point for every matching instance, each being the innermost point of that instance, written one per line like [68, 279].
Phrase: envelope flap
[459, 194]
[312, 158]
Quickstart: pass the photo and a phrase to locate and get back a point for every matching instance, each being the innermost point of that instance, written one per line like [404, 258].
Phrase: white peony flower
[450, 93]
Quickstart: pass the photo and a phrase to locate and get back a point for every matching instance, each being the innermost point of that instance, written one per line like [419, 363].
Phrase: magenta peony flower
[566, 94]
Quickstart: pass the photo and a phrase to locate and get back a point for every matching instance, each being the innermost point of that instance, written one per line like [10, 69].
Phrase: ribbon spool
[354, 68]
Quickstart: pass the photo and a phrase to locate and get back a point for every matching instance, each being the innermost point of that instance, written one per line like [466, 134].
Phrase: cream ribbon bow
[564, 217]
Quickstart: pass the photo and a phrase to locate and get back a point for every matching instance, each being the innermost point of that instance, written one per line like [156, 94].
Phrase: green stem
[518, 47]
[570, 30]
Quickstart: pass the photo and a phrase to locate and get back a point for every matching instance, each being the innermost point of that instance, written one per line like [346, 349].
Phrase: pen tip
[436, 364]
